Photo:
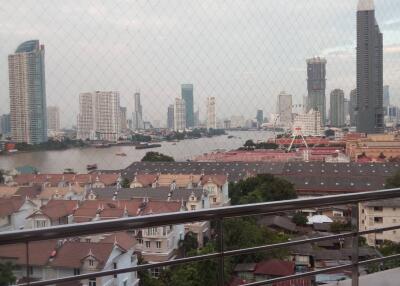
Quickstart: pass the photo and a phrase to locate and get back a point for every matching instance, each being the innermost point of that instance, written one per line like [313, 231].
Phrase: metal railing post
[355, 243]
[27, 262]
[221, 271]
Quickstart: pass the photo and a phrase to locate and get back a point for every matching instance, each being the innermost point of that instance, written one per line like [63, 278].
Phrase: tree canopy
[300, 218]
[157, 157]
[393, 181]
[262, 188]
[6, 274]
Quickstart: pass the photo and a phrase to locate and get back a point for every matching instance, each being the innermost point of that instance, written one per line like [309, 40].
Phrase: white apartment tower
[53, 119]
[27, 88]
[211, 114]
[308, 124]
[285, 109]
[179, 115]
[99, 116]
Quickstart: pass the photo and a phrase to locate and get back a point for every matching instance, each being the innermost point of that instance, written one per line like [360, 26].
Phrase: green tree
[125, 183]
[337, 227]
[189, 243]
[261, 188]
[6, 274]
[249, 144]
[1, 176]
[156, 157]
[393, 181]
[300, 218]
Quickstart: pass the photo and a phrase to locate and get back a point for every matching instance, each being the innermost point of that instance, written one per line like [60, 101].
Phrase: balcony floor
[385, 278]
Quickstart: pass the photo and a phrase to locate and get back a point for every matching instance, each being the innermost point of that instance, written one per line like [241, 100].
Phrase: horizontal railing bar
[379, 259]
[300, 275]
[190, 216]
[285, 244]
[375, 230]
[217, 255]
[321, 271]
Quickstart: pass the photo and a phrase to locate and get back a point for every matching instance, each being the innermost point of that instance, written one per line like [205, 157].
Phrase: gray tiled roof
[152, 193]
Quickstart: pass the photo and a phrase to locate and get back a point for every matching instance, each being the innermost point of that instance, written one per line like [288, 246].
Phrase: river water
[77, 159]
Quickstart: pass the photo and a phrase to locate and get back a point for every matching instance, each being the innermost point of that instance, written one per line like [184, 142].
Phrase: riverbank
[106, 158]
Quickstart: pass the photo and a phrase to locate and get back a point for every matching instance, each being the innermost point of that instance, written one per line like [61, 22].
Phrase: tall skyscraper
[353, 107]
[386, 99]
[137, 116]
[28, 93]
[260, 117]
[170, 117]
[211, 113]
[53, 119]
[316, 85]
[179, 115]
[346, 110]
[99, 116]
[5, 125]
[285, 109]
[337, 118]
[187, 96]
[123, 120]
[369, 70]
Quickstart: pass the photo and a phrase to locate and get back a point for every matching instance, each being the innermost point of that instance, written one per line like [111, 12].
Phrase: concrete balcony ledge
[384, 278]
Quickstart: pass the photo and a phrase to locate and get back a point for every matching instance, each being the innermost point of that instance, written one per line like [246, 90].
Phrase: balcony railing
[216, 214]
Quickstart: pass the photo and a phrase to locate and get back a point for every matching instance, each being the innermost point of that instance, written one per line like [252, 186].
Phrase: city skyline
[243, 78]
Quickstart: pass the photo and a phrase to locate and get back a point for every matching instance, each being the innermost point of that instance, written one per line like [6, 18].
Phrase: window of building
[152, 231]
[378, 219]
[394, 232]
[155, 272]
[192, 207]
[378, 209]
[30, 270]
[40, 223]
[87, 239]
[394, 220]
[91, 262]
[147, 244]
[378, 241]
[92, 282]
[394, 209]
[214, 200]
[77, 271]
[115, 267]
[140, 241]
[158, 244]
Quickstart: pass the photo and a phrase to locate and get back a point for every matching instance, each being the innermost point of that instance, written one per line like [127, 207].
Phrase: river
[77, 159]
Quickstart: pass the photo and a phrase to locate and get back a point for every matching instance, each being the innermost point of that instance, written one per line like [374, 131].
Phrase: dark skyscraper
[337, 114]
[352, 107]
[260, 117]
[316, 84]
[187, 96]
[369, 70]
[137, 116]
[170, 117]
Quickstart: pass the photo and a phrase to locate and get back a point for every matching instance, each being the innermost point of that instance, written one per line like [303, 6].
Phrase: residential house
[13, 212]
[55, 212]
[144, 180]
[57, 259]
[377, 214]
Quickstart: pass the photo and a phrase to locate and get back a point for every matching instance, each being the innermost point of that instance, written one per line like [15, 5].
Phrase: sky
[243, 52]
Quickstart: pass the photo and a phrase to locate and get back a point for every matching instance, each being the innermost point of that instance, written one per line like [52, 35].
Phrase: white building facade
[285, 109]
[308, 124]
[99, 116]
[179, 115]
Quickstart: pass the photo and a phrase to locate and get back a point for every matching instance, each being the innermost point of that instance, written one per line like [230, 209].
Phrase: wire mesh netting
[243, 53]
